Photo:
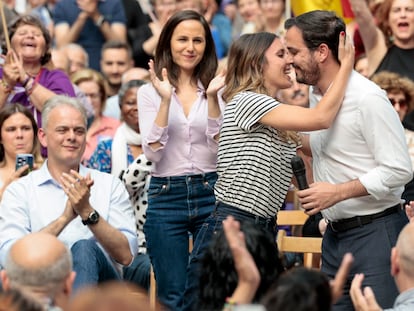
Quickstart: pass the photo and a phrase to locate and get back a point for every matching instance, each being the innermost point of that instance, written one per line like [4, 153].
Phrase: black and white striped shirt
[253, 159]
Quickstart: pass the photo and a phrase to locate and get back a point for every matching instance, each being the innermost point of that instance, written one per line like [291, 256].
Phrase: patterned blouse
[136, 178]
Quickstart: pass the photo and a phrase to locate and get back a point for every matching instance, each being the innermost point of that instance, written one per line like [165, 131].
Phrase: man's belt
[359, 221]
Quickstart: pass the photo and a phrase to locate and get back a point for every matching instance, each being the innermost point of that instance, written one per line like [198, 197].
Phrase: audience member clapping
[24, 77]
[89, 23]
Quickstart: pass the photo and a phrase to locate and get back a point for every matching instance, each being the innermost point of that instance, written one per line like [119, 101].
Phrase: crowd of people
[162, 134]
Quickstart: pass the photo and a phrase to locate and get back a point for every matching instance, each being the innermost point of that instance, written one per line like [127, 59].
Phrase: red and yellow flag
[341, 7]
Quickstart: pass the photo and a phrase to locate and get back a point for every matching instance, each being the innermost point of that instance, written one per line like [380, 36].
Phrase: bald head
[38, 261]
[40, 265]
[405, 249]
[37, 250]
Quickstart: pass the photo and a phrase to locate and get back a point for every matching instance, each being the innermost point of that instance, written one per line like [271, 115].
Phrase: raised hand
[216, 84]
[363, 299]
[77, 188]
[163, 86]
[346, 50]
[247, 271]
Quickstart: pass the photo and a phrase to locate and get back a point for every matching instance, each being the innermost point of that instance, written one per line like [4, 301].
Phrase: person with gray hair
[41, 266]
[86, 209]
[77, 55]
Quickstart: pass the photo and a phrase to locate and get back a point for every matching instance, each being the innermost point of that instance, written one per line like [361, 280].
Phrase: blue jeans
[223, 210]
[371, 246]
[91, 265]
[176, 206]
[139, 271]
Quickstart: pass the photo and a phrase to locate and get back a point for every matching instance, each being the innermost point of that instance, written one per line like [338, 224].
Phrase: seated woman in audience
[113, 155]
[92, 84]
[123, 156]
[18, 134]
[24, 75]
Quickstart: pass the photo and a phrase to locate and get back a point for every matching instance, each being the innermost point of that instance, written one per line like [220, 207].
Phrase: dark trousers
[371, 246]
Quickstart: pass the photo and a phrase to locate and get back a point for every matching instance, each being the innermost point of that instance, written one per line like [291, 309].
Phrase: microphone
[299, 171]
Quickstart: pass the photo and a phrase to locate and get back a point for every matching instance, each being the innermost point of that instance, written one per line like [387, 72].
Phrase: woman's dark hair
[205, 70]
[126, 86]
[28, 19]
[300, 289]
[11, 109]
[319, 27]
[218, 277]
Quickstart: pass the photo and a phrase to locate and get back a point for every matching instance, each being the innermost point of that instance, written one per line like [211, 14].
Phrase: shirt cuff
[372, 183]
[158, 134]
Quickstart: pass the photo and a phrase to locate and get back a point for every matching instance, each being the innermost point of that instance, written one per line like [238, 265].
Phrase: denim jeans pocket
[210, 182]
[156, 190]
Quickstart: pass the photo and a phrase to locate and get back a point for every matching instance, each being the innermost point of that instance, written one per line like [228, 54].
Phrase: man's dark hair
[319, 27]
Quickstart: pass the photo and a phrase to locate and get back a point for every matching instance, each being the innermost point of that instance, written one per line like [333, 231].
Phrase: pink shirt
[107, 128]
[188, 145]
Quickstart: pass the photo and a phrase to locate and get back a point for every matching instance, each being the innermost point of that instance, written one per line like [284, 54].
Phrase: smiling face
[401, 20]
[28, 41]
[276, 71]
[129, 108]
[64, 136]
[17, 135]
[188, 43]
[306, 68]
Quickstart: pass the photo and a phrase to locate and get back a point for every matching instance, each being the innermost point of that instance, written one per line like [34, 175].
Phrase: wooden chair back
[295, 244]
[291, 218]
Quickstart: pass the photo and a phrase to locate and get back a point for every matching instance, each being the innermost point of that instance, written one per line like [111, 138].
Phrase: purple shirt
[188, 144]
[54, 80]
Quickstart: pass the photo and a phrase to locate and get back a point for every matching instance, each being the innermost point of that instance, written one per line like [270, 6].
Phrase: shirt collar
[43, 176]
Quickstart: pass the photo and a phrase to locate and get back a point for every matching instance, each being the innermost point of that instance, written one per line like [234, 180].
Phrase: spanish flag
[341, 7]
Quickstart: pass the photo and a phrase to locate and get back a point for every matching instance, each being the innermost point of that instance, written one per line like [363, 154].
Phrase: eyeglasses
[401, 102]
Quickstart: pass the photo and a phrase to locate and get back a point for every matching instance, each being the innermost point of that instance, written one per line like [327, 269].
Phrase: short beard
[311, 75]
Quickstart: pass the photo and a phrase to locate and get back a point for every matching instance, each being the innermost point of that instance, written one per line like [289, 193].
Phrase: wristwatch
[92, 219]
